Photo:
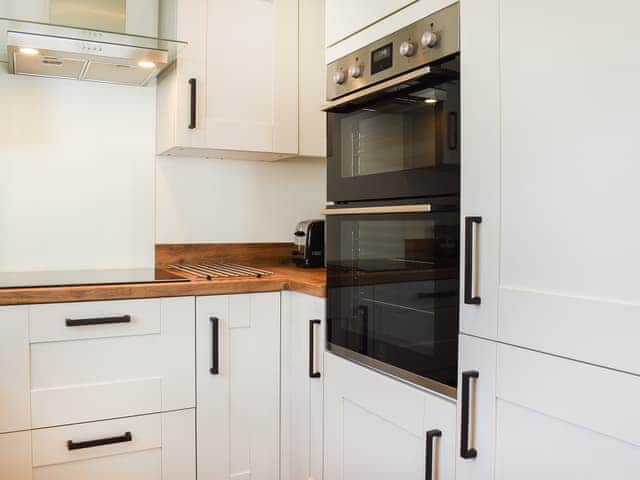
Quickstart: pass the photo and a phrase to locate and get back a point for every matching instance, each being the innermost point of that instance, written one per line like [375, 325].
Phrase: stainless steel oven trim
[392, 82]
[420, 208]
[398, 373]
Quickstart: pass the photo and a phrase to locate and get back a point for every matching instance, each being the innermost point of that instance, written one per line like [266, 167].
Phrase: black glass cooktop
[85, 277]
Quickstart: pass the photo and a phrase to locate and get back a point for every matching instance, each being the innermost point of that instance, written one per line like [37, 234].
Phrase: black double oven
[393, 186]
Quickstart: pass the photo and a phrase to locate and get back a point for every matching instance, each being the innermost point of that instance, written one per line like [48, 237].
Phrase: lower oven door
[393, 287]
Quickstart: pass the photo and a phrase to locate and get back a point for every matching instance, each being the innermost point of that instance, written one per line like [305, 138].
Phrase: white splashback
[76, 174]
[205, 200]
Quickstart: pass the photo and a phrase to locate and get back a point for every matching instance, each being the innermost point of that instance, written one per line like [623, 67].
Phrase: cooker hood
[86, 47]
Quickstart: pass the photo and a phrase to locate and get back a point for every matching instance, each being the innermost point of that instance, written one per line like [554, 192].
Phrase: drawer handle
[465, 451]
[71, 445]
[312, 349]
[97, 321]
[428, 461]
[215, 346]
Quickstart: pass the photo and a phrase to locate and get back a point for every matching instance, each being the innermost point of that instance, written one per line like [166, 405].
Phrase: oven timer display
[381, 58]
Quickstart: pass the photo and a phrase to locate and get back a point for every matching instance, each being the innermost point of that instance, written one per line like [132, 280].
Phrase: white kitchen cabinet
[535, 416]
[303, 334]
[346, 17]
[15, 412]
[15, 456]
[97, 360]
[376, 427]
[242, 67]
[548, 163]
[238, 386]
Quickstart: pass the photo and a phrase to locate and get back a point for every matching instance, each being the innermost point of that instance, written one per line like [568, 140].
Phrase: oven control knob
[429, 39]
[407, 49]
[339, 77]
[355, 71]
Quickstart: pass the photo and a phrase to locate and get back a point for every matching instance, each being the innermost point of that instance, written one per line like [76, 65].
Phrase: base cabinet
[303, 336]
[238, 386]
[379, 428]
[538, 416]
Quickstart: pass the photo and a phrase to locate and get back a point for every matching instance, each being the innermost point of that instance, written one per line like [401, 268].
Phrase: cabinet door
[533, 416]
[15, 410]
[252, 76]
[238, 386]
[346, 17]
[566, 177]
[376, 427]
[302, 376]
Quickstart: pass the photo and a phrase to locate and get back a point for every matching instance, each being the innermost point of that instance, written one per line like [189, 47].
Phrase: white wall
[76, 174]
[202, 200]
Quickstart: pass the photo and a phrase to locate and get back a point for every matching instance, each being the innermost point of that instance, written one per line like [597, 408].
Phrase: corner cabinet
[234, 90]
[378, 428]
[238, 386]
[303, 325]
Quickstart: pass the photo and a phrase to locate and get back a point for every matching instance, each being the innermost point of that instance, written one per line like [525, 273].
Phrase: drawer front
[74, 321]
[96, 376]
[150, 447]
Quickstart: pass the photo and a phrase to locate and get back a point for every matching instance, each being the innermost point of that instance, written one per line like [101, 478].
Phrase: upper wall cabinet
[234, 91]
[548, 165]
[347, 17]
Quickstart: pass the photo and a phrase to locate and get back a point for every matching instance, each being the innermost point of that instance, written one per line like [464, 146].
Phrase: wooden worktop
[272, 257]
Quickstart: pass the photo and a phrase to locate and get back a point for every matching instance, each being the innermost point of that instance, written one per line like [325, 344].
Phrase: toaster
[308, 241]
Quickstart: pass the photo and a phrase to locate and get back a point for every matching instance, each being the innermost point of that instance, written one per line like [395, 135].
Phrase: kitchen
[307, 239]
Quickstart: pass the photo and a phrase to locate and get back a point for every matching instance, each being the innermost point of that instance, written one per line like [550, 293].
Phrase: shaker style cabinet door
[238, 386]
[379, 428]
[528, 415]
[303, 326]
[15, 410]
[556, 255]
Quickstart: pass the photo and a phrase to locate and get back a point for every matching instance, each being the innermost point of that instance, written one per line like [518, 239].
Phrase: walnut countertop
[285, 277]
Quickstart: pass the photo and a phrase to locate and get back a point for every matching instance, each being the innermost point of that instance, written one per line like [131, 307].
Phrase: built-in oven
[393, 115]
[393, 288]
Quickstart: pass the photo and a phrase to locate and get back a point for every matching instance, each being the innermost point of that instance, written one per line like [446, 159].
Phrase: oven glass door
[404, 139]
[393, 289]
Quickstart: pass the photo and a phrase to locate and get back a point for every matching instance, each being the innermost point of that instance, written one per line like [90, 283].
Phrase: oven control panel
[425, 41]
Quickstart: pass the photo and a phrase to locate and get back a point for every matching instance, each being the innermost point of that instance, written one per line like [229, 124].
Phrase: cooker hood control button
[429, 39]
[339, 77]
[355, 71]
[407, 49]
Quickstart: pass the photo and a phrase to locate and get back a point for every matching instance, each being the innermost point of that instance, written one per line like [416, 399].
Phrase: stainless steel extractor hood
[87, 42]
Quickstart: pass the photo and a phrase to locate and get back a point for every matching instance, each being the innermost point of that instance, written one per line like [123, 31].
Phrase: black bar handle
[428, 460]
[469, 299]
[215, 346]
[71, 445]
[465, 451]
[192, 102]
[452, 131]
[312, 349]
[97, 321]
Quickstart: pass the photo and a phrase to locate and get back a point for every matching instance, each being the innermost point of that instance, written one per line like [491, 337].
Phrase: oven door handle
[420, 72]
[420, 208]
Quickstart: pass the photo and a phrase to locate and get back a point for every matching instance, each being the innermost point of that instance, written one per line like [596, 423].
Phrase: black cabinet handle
[97, 321]
[452, 131]
[469, 299]
[215, 346]
[192, 102]
[312, 349]
[465, 451]
[428, 461]
[71, 445]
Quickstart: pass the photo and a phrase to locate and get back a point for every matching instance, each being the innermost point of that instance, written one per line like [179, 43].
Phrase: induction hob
[69, 278]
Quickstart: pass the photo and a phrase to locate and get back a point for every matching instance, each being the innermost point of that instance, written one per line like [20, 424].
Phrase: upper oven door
[398, 139]
[393, 287]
